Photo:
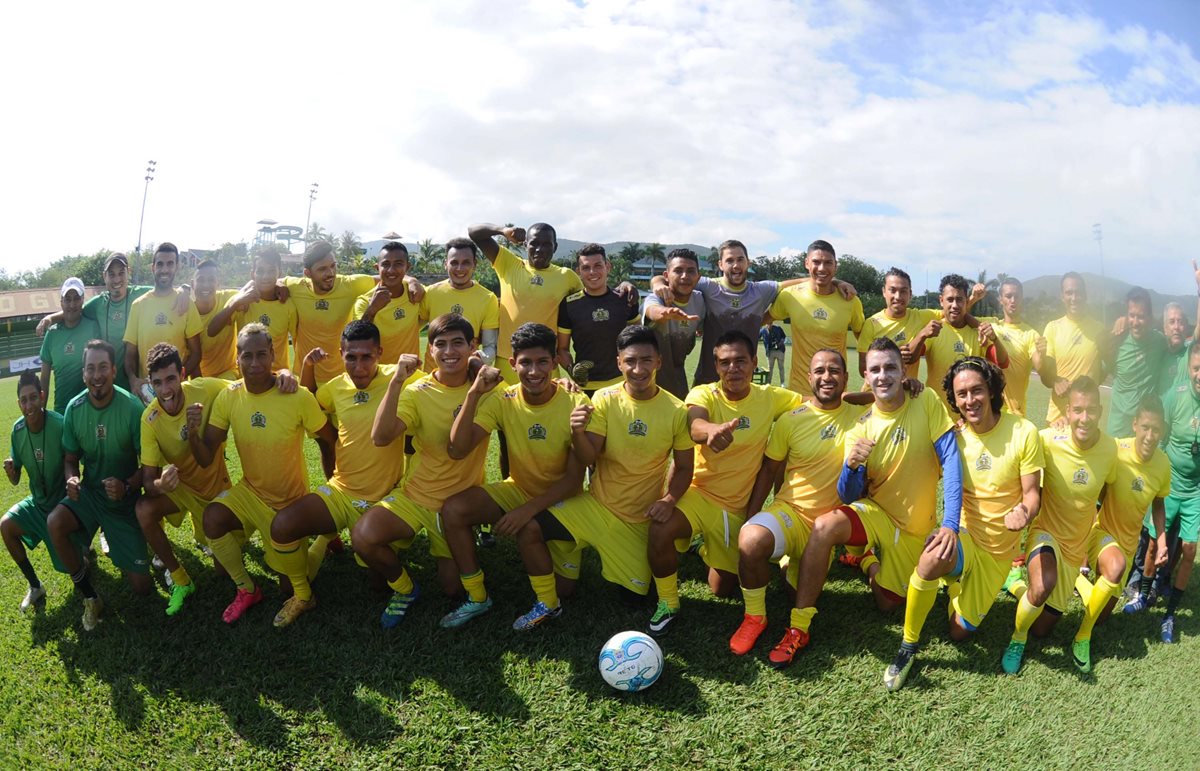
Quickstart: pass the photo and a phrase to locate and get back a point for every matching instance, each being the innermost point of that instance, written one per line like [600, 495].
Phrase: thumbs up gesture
[720, 435]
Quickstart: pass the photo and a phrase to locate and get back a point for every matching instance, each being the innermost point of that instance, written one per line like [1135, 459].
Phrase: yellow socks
[473, 583]
[1018, 588]
[403, 584]
[868, 560]
[1027, 613]
[756, 601]
[292, 561]
[316, 554]
[802, 618]
[180, 576]
[546, 591]
[228, 552]
[668, 590]
[921, 595]
[1101, 593]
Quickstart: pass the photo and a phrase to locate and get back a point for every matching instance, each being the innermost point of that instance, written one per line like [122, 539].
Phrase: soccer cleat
[292, 609]
[484, 539]
[92, 608]
[1013, 655]
[103, 543]
[660, 622]
[897, 671]
[747, 634]
[397, 608]
[536, 616]
[850, 560]
[35, 596]
[179, 593]
[465, 612]
[1014, 574]
[204, 549]
[1081, 651]
[793, 642]
[1168, 629]
[242, 602]
[1136, 605]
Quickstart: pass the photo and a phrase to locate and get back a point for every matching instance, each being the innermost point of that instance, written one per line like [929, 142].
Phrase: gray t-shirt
[728, 310]
[676, 339]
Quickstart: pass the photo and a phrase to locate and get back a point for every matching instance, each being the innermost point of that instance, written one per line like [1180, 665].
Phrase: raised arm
[484, 237]
[465, 433]
[204, 444]
[388, 425]
[239, 303]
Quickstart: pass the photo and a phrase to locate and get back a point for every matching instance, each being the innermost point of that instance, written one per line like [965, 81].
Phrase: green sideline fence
[19, 346]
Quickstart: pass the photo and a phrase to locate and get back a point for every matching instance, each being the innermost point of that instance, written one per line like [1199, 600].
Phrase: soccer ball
[631, 661]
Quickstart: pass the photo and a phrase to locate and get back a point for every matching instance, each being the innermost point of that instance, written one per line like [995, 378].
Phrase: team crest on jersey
[398, 314]
[38, 454]
[361, 397]
[736, 302]
[160, 319]
[1196, 422]
[457, 410]
[1081, 477]
[829, 432]
[743, 423]
[69, 348]
[118, 316]
[900, 337]
[821, 314]
[899, 435]
[984, 462]
[959, 347]
[258, 420]
[537, 431]
[600, 314]
[456, 308]
[101, 431]
[183, 432]
[322, 305]
[536, 280]
[265, 320]
[638, 428]
[1138, 485]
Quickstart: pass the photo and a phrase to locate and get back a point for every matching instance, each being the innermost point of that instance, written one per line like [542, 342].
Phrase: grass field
[336, 691]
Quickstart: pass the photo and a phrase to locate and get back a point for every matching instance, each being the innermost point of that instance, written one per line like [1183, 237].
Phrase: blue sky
[936, 136]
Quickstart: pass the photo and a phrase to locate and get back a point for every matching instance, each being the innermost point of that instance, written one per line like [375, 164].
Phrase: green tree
[349, 252]
[430, 259]
[714, 261]
[657, 253]
[317, 233]
[779, 267]
[629, 254]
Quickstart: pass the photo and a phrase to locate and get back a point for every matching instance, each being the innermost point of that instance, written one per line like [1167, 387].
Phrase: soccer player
[1001, 459]
[151, 322]
[461, 294]
[1138, 352]
[36, 448]
[389, 307]
[676, 321]
[363, 473]
[819, 314]
[591, 320]
[538, 417]
[897, 322]
[1081, 463]
[810, 442]
[1073, 344]
[774, 343]
[730, 421]
[175, 483]
[101, 429]
[262, 301]
[888, 483]
[218, 352]
[1026, 348]
[110, 309]
[268, 429]
[1143, 480]
[62, 347]
[425, 409]
[633, 434]
[949, 339]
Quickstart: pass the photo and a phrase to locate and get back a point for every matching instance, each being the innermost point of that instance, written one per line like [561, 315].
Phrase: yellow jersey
[153, 320]
[727, 477]
[951, 344]
[812, 441]
[1020, 343]
[321, 318]
[165, 438]
[399, 325]
[476, 304]
[1071, 486]
[529, 295]
[640, 437]
[1075, 348]
[428, 408]
[538, 435]
[993, 464]
[362, 471]
[280, 319]
[899, 331]
[268, 430]
[903, 467]
[817, 321]
[1138, 484]
[218, 355]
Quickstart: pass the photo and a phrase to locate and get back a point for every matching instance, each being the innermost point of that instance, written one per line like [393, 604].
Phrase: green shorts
[126, 544]
[1185, 512]
[32, 521]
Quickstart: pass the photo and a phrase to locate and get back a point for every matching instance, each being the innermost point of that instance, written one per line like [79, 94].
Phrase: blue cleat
[397, 608]
[536, 616]
[1168, 629]
[1136, 605]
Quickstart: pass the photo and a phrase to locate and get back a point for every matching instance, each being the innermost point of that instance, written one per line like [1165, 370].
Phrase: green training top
[1139, 366]
[62, 349]
[41, 456]
[107, 441]
[111, 318]
[1183, 432]
[1174, 371]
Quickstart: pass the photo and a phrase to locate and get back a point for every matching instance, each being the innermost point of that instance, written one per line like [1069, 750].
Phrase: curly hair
[991, 374]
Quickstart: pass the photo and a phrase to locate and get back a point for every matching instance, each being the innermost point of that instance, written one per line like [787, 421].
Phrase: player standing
[1073, 344]
[678, 320]
[590, 321]
[62, 347]
[396, 316]
[152, 321]
[460, 293]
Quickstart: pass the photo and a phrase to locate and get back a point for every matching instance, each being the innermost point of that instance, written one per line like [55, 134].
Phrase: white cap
[69, 284]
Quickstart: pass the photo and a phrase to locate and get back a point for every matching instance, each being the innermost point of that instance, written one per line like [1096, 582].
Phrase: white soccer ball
[631, 661]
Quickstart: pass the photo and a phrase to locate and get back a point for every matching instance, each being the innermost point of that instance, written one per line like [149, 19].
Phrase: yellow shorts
[188, 500]
[791, 533]
[620, 544]
[1100, 540]
[418, 518]
[507, 494]
[1068, 569]
[344, 510]
[719, 528]
[254, 514]
[898, 551]
[982, 576]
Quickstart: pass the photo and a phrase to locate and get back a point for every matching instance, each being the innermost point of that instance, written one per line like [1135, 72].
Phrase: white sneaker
[92, 608]
[103, 544]
[33, 597]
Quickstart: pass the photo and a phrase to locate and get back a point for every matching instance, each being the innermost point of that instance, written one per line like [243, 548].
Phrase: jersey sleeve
[364, 300]
[777, 444]
[489, 414]
[505, 261]
[131, 325]
[325, 397]
[12, 443]
[681, 437]
[406, 409]
[939, 419]
[1165, 488]
[781, 308]
[700, 396]
[574, 283]
[598, 424]
[564, 316]
[219, 416]
[866, 336]
[192, 326]
[784, 401]
[1033, 456]
[151, 454]
[1048, 333]
[133, 420]
[70, 442]
[857, 318]
[93, 307]
[491, 311]
[46, 352]
[1112, 469]
[311, 415]
[360, 283]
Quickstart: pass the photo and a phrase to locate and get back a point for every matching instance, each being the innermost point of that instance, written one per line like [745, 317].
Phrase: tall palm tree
[349, 247]
[430, 256]
[655, 252]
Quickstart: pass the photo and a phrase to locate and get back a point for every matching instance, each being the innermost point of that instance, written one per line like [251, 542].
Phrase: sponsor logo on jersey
[456, 308]
[537, 431]
[258, 420]
[398, 314]
[101, 431]
[38, 454]
[160, 319]
[322, 305]
[899, 435]
[829, 432]
[118, 316]
[600, 314]
[735, 302]
[984, 462]
[361, 397]
[638, 428]
[1080, 477]
[821, 314]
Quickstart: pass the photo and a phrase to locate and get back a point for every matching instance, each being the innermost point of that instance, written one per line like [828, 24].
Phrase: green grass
[335, 691]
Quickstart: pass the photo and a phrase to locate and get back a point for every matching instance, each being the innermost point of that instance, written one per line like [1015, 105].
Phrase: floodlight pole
[312, 196]
[145, 192]
[1099, 236]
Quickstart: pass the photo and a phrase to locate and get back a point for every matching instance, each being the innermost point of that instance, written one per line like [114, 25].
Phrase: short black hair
[587, 250]
[735, 337]
[161, 356]
[394, 246]
[1139, 296]
[887, 345]
[543, 226]
[636, 334]
[207, 263]
[450, 322]
[1151, 403]
[894, 271]
[317, 252]
[683, 254]
[821, 246]
[462, 243]
[1069, 275]
[1083, 385]
[841, 356]
[167, 246]
[992, 376]
[533, 335]
[101, 345]
[954, 281]
[1013, 281]
[269, 257]
[361, 329]
[29, 378]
